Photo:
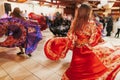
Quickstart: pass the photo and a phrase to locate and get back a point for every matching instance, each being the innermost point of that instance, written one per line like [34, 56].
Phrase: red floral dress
[90, 60]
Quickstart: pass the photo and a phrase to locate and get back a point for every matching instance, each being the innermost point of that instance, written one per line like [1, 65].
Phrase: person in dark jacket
[109, 27]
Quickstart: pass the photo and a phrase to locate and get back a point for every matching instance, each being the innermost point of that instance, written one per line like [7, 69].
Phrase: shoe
[29, 55]
[20, 53]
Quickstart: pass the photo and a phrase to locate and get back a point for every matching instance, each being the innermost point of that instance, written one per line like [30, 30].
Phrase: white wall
[31, 7]
[2, 10]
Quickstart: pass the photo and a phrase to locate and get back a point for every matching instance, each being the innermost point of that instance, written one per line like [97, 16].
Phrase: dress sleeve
[95, 35]
[56, 48]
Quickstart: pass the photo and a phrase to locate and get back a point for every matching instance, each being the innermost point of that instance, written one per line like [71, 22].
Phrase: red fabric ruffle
[57, 48]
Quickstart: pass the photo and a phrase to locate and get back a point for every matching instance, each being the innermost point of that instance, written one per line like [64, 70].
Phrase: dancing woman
[89, 60]
[20, 33]
[84, 34]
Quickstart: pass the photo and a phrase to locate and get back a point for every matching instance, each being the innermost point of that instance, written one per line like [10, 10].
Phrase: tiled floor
[37, 67]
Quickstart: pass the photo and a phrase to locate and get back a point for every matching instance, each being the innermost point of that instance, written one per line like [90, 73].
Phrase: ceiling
[113, 4]
[62, 2]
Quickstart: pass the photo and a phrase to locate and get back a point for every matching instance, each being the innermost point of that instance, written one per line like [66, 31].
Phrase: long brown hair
[81, 18]
[16, 13]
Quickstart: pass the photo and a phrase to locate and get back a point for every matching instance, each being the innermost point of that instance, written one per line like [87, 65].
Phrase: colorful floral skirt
[20, 33]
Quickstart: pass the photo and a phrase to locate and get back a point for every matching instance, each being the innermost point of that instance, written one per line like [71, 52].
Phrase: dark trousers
[118, 32]
[109, 29]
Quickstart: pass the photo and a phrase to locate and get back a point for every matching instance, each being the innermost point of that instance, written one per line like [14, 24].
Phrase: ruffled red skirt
[85, 65]
[98, 63]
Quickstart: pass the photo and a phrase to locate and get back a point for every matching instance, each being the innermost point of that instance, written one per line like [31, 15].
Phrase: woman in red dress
[84, 33]
[89, 61]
